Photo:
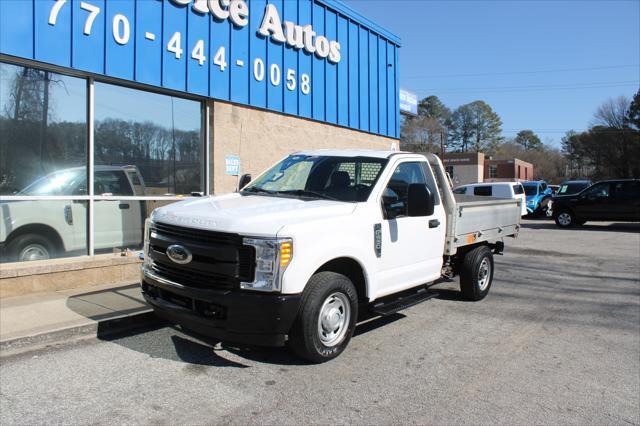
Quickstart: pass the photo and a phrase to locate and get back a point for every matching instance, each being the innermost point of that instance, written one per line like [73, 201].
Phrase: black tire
[544, 206]
[565, 218]
[305, 335]
[24, 246]
[475, 280]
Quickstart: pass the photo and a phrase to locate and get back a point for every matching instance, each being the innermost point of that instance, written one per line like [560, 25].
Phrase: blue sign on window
[232, 165]
[311, 58]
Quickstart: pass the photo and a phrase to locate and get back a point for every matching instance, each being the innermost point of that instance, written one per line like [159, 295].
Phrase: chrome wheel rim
[484, 274]
[34, 252]
[334, 319]
[564, 219]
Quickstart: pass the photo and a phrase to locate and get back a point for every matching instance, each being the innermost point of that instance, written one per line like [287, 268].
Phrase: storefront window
[148, 147]
[43, 153]
[43, 130]
[157, 137]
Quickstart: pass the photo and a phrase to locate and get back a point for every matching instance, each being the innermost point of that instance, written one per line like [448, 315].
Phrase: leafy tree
[487, 126]
[476, 126]
[575, 154]
[462, 127]
[528, 139]
[432, 107]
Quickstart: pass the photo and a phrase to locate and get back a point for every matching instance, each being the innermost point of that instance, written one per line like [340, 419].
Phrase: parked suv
[611, 200]
[46, 228]
[538, 196]
[569, 187]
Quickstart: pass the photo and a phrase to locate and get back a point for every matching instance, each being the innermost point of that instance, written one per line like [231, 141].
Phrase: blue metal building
[224, 50]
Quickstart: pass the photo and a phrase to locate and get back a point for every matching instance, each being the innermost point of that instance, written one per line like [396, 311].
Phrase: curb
[99, 329]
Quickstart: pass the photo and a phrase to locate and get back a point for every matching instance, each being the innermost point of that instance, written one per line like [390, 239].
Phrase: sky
[544, 65]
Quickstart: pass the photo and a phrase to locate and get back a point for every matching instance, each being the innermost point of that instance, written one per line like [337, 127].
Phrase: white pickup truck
[317, 242]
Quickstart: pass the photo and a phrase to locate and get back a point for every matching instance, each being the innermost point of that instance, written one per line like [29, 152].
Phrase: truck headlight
[148, 225]
[272, 258]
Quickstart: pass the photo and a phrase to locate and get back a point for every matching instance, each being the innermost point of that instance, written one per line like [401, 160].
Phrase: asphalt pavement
[556, 341]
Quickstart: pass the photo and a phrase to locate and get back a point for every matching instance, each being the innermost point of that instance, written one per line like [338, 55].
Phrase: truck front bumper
[228, 316]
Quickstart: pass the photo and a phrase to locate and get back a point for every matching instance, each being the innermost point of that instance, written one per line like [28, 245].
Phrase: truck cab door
[118, 223]
[595, 202]
[411, 247]
[625, 201]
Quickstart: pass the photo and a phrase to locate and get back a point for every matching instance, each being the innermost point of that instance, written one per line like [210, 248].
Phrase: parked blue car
[538, 196]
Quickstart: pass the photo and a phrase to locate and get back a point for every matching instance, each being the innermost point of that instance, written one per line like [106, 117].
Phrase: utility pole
[443, 146]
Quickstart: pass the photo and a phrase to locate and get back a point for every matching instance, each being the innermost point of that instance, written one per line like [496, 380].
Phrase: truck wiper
[308, 193]
[256, 190]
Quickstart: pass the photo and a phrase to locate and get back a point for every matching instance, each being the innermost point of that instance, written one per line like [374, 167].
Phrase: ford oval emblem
[179, 254]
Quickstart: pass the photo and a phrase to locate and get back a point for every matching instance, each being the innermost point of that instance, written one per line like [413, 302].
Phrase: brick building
[471, 167]
[507, 170]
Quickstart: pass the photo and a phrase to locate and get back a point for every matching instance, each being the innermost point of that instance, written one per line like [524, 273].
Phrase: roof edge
[356, 16]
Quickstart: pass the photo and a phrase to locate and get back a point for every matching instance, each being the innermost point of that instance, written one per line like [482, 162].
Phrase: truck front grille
[220, 261]
[191, 279]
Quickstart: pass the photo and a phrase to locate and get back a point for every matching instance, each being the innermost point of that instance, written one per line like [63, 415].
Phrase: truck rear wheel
[476, 275]
[565, 219]
[326, 319]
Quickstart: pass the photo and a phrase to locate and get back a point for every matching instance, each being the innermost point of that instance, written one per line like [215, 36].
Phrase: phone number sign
[284, 55]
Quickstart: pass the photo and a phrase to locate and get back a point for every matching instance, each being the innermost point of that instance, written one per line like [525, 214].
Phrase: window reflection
[43, 127]
[38, 230]
[119, 224]
[159, 135]
[146, 144]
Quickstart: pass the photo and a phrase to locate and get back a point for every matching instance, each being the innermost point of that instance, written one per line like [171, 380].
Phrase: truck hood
[254, 215]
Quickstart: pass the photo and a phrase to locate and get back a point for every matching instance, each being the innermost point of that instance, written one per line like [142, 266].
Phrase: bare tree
[422, 134]
[613, 113]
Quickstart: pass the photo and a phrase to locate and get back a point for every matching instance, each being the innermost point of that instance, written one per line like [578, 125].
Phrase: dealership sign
[295, 36]
[316, 59]
[408, 102]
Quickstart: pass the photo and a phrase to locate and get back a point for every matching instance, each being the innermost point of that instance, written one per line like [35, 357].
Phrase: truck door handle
[434, 223]
[123, 206]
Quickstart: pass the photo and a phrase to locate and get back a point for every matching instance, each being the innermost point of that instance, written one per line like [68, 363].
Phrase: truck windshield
[530, 189]
[348, 179]
[572, 188]
[61, 182]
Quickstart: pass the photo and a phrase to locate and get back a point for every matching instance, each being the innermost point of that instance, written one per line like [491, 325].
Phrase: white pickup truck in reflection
[48, 228]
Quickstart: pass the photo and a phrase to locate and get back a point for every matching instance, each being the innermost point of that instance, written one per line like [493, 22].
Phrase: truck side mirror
[244, 181]
[421, 201]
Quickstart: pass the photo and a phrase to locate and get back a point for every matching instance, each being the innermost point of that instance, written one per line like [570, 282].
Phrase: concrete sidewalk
[32, 321]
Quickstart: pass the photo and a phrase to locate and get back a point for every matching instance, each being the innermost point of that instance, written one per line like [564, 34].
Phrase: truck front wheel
[30, 247]
[477, 273]
[326, 319]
